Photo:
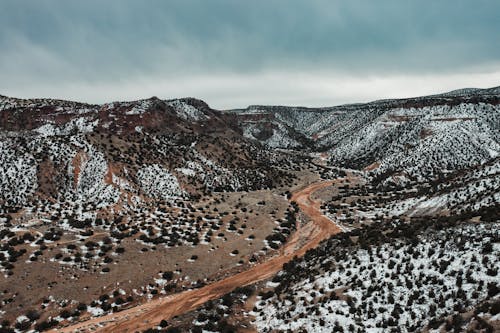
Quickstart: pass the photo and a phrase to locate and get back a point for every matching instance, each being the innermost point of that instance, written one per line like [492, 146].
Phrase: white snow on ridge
[140, 108]
[186, 111]
[79, 125]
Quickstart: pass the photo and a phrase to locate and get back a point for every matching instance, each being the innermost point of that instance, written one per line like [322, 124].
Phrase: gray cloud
[207, 47]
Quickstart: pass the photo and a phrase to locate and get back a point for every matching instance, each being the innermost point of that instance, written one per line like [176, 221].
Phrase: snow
[80, 125]
[47, 130]
[139, 108]
[471, 190]
[362, 270]
[493, 153]
[186, 111]
[95, 311]
[467, 139]
[280, 137]
[158, 182]
[186, 171]
[21, 319]
[90, 182]
[18, 179]
[421, 140]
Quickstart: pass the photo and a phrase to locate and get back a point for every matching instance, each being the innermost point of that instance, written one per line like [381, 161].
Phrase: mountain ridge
[456, 92]
[160, 196]
[383, 132]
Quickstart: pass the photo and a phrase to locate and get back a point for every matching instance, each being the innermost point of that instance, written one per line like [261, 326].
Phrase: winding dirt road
[150, 314]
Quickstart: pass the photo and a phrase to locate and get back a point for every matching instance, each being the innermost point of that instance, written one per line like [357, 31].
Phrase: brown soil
[372, 166]
[149, 314]
[77, 161]
[453, 119]
[399, 119]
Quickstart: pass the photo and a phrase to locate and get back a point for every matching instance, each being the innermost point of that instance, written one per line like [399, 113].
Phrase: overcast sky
[235, 53]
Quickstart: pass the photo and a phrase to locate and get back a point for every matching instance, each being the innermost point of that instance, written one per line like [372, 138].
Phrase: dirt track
[150, 314]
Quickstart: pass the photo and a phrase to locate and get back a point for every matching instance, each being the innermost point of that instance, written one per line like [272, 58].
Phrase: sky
[237, 53]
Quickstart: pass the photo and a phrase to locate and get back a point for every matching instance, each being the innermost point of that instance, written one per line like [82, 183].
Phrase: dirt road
[150, 314]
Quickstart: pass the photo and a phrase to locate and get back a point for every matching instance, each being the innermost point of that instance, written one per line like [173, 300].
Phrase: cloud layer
[235, 53]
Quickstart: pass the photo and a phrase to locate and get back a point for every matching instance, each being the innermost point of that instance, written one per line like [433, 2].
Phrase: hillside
[88, 192]
[79, 153]
[146, 215]
[354, 288]
[417, 137]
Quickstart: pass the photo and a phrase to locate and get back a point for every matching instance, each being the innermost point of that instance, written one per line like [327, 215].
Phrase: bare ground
[149, 314]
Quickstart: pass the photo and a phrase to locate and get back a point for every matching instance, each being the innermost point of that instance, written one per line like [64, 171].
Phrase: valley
[305, 237]
[169, 216]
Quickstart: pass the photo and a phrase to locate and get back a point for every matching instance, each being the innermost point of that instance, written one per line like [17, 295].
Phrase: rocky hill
[53, 149]
[419, 137]
[123, 152]
[90, 193]
[388, 278]
[365, 217]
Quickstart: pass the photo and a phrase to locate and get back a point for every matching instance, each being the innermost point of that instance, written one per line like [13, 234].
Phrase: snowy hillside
[422, 141]
[420, 136]
[376, 217]
[408, 282]
[122, 152]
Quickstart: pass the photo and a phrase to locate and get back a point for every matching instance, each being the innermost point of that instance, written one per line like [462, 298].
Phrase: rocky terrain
[417, 138]
[366, 217]
[88, 192]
